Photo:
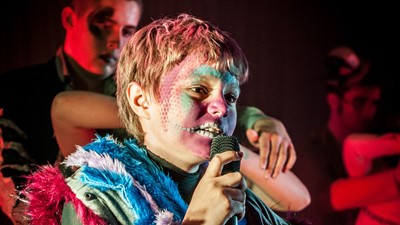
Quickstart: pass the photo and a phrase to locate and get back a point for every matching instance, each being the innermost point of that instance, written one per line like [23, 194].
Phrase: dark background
[286, 42]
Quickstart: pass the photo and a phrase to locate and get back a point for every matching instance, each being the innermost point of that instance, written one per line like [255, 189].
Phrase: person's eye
[231, 98]
[127, 31]
[199, 90]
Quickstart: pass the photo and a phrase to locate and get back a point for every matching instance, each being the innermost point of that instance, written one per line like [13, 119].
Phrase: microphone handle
[221, 144]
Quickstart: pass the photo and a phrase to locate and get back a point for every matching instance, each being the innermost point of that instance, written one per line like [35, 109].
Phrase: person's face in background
[95, 37]
[358, 107]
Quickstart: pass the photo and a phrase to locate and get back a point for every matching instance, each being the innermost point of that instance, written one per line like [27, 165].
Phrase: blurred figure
[372, 163]
[352, 96]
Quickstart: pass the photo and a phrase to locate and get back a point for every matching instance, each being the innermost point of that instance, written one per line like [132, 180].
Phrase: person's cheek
[232, 120]
[186, 111]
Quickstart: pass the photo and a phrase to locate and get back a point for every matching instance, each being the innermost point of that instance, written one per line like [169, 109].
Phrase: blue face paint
[207, 70]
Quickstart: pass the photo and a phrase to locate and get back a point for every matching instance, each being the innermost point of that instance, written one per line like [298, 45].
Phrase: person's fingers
[274, 153]
[237, 201]
[216, 164]
[234, 180]
[252, 137]
[292, 158]
[264, 151]
[281, 160]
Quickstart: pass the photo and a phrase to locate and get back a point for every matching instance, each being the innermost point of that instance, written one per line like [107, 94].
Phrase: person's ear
[137, 100]
[333, 101]
[67, 17]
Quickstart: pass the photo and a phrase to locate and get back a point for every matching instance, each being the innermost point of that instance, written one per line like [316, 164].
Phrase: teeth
[209, 129]
[206, 133]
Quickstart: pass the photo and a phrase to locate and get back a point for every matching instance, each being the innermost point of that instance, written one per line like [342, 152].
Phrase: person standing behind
[95, 32]
[352, 96]
[373, 185]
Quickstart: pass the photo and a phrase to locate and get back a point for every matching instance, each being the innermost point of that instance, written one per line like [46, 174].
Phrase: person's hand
[276, 150]
[218, 197]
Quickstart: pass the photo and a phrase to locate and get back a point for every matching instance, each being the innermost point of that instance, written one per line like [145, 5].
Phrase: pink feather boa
[47, 192]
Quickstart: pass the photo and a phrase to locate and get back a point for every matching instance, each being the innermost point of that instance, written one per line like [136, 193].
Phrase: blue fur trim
[162, 188]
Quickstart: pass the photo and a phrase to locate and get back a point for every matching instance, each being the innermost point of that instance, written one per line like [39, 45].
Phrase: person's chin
[109, 69]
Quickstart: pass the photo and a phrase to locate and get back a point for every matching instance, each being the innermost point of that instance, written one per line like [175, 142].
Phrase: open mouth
[209, 129]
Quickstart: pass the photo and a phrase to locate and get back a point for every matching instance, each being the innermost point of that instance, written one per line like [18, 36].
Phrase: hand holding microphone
[222, 144]
[220, 193]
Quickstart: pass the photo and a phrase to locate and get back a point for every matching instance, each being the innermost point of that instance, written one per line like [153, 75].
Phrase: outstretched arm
[363, 188]
[358, 192]
[285, 193]
[268, 136]
[359, 150]
[76, 114]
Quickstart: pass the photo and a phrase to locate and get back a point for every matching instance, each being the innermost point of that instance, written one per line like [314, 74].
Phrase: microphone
[222, 144]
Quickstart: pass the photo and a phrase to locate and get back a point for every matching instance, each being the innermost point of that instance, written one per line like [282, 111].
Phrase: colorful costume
[118, 184]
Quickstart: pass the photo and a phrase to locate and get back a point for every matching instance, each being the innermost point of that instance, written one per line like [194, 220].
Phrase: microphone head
[224, 143]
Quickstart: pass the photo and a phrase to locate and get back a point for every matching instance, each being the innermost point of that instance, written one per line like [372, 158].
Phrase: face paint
[206, 70]
[175, 101]
[168, 88]
[195, 104]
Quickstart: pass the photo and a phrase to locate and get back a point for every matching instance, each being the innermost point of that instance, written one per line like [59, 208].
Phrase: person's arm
[357, 192]
[359, 150]
[268, 137]
[361, 189]
[75, 114]
[285, 193]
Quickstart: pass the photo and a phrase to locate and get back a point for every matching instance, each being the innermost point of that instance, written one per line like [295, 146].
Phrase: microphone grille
[224, 143]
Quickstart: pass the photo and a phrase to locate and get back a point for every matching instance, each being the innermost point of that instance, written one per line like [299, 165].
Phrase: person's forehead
[118, 9]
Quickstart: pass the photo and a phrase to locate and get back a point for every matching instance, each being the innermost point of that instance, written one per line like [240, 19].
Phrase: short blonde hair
[158, 47]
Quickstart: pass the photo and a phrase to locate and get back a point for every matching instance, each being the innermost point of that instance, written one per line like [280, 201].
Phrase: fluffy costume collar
[118, 170]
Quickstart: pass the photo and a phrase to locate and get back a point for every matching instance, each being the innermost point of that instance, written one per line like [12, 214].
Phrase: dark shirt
[26, 95]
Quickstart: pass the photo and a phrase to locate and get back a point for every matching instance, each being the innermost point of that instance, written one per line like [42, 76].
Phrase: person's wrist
[264, 125]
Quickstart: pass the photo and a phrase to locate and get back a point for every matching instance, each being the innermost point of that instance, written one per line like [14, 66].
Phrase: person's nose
[217, 107]
[115, 40]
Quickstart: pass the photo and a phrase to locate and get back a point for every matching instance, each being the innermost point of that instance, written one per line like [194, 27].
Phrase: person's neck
[75, 68]
[177, 162]
[186, 181]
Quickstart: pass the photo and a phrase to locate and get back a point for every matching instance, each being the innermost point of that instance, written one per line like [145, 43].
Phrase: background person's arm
[286, 192]
[363, 188]
[75, 114]
[359, 151]
[268, 137]
[357, 192]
